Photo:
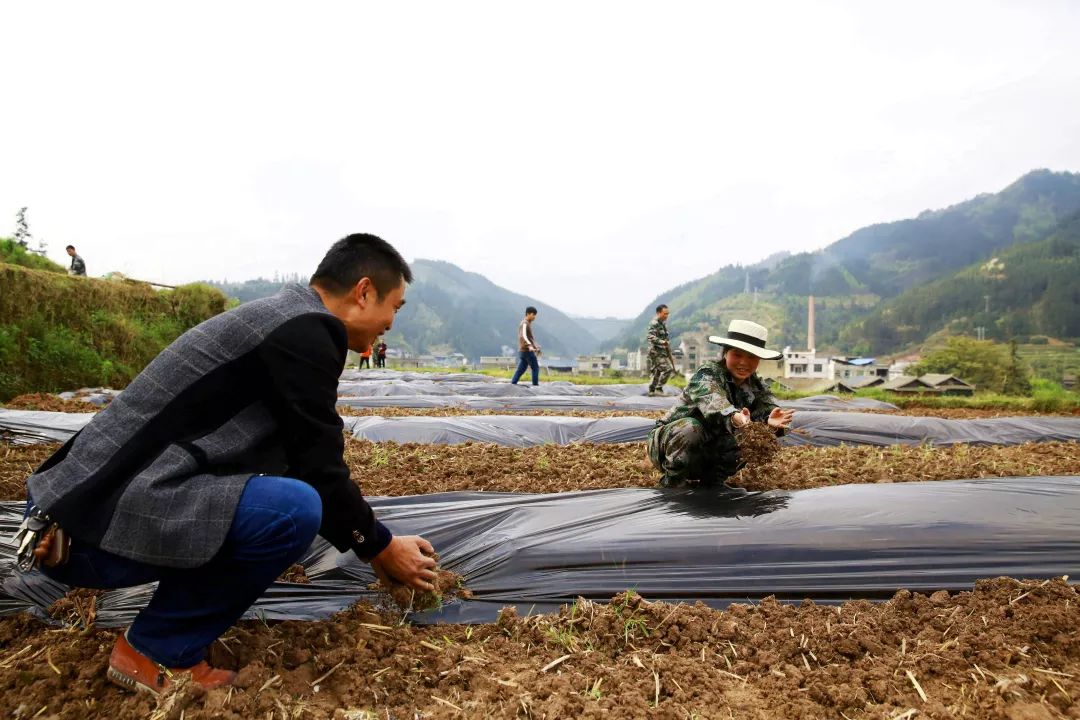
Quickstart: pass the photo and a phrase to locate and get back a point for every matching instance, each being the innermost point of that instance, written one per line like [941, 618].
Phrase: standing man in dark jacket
[78, 267]
[696, 440]
[527, 349]
[217, 466]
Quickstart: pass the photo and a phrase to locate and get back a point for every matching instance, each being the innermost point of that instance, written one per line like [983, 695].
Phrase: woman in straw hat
[696, 440]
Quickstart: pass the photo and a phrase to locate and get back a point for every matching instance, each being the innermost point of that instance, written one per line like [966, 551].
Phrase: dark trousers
[528, 359]
[364, 361]
[684, 450]
[275, 522]
[380, 361]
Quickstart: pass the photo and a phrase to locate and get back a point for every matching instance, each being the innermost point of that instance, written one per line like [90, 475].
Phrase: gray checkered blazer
[156, 476]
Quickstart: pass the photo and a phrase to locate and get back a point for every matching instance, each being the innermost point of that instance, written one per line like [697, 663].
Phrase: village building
[906, 384]
[498, 362]
[812, 386]
[858, 368]
[948, 384]
[594, 364]
[805, 364]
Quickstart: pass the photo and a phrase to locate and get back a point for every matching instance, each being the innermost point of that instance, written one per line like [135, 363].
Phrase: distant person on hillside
[695, 440]
[527, 349]
[380, 354]
[365, 358]
[78, 267]
[660, 359]
[219, 467]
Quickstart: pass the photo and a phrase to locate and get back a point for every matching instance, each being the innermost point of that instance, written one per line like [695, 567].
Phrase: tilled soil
[295, 573]
[16, 464]
[810, 467]
[914, 410]
[416, 469]
[411, 469]
[45, 401]
[757, 444]
[465, 412]
[972, 413]
[1007, 650]
[52, 403]
[448, 585]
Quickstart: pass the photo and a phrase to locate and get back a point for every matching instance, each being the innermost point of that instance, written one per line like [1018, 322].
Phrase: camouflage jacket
[712, 396]
[657, 337]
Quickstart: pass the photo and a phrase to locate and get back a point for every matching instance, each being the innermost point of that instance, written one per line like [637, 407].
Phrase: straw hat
[748, 336]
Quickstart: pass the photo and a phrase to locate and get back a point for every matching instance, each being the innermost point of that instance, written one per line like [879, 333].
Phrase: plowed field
[1007, 650]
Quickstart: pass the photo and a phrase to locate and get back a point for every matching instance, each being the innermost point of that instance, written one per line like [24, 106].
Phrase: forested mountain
[1028, 289]
[851, 277]
[260, 287]
[602, 329]
[450, 310]
[449, 307]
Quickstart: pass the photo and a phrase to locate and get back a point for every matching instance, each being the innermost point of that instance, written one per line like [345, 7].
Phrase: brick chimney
[810, 325]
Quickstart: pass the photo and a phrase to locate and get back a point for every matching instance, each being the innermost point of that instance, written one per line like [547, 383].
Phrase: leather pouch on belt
[53, 547]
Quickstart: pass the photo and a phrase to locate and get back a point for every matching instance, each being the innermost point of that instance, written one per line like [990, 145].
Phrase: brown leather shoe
[132, 670]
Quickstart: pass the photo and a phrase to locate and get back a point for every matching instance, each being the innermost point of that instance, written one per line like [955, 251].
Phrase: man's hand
[780, 418]
[742, 418]
[408, 560]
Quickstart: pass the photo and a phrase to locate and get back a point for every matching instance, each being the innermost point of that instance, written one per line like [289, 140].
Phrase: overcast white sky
[591, 155]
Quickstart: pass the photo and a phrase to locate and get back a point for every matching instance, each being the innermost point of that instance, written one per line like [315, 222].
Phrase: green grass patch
[13, 253]
[1045, 396]
[60, 333]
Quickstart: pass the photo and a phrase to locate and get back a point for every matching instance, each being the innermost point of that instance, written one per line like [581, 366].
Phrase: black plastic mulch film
[817, 428]
[539, 551]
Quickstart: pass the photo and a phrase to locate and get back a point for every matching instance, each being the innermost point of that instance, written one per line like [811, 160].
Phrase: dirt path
[1007, 650]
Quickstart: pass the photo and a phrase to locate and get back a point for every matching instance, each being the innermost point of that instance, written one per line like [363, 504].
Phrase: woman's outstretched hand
[780, 418]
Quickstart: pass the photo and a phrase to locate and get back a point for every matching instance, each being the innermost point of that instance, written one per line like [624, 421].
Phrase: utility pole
[980, 333]
[986, 309]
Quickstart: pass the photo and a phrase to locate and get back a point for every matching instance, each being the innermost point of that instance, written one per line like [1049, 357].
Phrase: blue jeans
[528, 359]
[275, 522]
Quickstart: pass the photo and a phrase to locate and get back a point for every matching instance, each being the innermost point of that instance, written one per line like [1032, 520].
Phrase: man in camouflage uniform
[696, 439]
[659, 350]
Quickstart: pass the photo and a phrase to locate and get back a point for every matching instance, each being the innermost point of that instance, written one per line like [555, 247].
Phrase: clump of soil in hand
[295, 573]
[757, 447]
[447, 584]
[77, 608]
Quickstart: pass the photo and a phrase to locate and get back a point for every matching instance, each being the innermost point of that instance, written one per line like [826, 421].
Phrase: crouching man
[695, 440]
[217, 466]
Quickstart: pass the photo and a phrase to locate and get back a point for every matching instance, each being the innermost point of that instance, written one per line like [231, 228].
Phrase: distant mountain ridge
[449, 306]
[449, 309]
[603, 328]
[856, 274]
[1030, 289]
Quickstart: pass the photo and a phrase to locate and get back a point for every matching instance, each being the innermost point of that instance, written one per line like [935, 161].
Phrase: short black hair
[361, 256]
[531, 310]
[660, 308]
[70, 247]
